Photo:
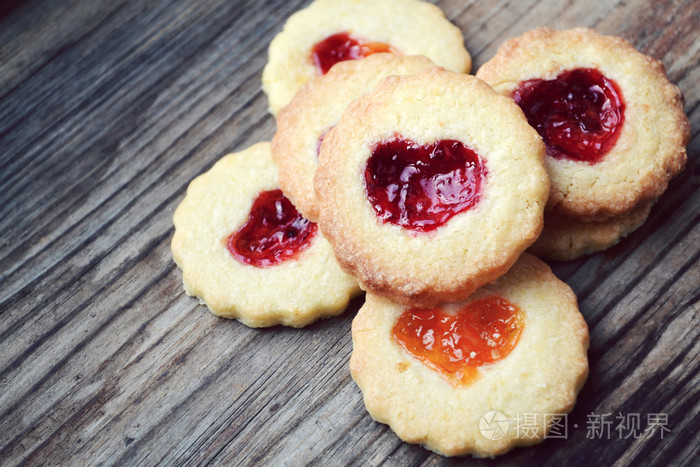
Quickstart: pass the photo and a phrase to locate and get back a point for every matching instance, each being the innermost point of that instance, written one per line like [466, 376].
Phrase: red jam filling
[343, 46]
[456, 345]
[579, 114]
[422, 187]
[274, 232]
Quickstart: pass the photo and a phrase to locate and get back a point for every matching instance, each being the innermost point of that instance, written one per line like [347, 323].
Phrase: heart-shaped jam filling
[422, 187]
[457, 344]
[274, 232]
[579, 114]
[343, 46]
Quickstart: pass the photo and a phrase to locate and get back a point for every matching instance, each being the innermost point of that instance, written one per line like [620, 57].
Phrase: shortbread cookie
[430, 186]
[316, 108]
[329, 31]
[564, 238]
[247, 253]
[613, 124]
[477, 377]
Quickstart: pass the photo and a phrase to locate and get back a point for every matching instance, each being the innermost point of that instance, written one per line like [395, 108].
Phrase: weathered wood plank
[109, 109]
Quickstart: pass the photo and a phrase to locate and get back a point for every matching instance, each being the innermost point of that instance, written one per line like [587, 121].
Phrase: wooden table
[108, 108]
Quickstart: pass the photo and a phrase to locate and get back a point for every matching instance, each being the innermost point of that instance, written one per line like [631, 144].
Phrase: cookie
[565, 238]
[430, 186]
[246, 252]
[613, 124]
[477, 377]
[328, 31]
[302, 124]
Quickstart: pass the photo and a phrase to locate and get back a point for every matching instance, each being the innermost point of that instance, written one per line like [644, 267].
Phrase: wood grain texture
[109, 108]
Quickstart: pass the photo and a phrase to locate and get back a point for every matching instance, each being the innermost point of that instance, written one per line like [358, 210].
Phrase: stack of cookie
[244, 248]
[430, 188]
[613, 125]
[425, 186]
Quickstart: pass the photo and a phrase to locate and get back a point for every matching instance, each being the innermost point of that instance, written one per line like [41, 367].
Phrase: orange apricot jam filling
[457, 344]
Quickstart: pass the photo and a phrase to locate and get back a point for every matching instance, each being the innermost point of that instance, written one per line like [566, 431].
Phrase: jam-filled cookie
[430, 186]
[474, 377]
[565, 238]
[248, 254]
[612, 122]
[302, 124]
[330, 31]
